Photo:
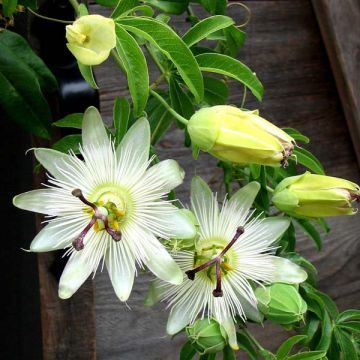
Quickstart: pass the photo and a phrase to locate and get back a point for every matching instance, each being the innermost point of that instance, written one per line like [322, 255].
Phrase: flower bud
[206, 336]
[281, 303]
[90, 38]
[313, 196]
[244, 137]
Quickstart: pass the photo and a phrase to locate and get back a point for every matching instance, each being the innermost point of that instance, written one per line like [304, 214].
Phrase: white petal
[287, 272]
[93, 129]
[273, 228]
[52, 160]
[251, 312]
[162, 264]
[168, 174]
[245, 197]
[178, 223]
[121, 268]
[178, 319]
[229, 327]
[40, 201]
[76, 271]
[56, 236]
[136, 143]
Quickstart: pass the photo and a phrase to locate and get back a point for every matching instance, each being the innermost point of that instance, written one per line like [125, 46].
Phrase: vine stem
[75, 5]
[168, 107]
[252, 339]
[48, 18]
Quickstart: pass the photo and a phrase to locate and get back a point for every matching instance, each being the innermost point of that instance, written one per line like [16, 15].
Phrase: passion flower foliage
[110, 202]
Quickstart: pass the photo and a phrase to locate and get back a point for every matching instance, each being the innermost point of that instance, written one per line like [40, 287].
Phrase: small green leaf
[176, 7]
[255, 171]
[206, 27]
[214, 7]
[121, 113]
[108, 3]
[307, 159]
[326, 333]
[329, 304]
[324, 224]
[187, 351]
[235, 40]
[9, 7]
[70, 121]
[311, 231]
[136, 68]
[352, 326]
[87, 73]
[228, 353]
[310, 329]
[246, 345]
[296, 135]
[67, 143]
[216, 91]
[171, 46]
[311, 355]
[123, 6]
[287, 345]
[347, 315]
[347, 347]
[226, 65]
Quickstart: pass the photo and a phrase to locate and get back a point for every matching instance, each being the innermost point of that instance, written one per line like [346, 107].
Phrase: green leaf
[226, 65]
[347, 347]
[262, 199]
[70, 121]
[347, 315]
[206, 27]
[136, 68]
[326, 333]
[180, 101]
[83, 10]
[121, 113]
[67, 143]
[9, 7]
[296, 135]
[310, 329]
[176, 7]
[187, 352]
[287, 345]
[311, 355]
[324, 224]
[310, 231]
[171, 46]
[214, 7]
[228, 353]
[307, 159]
[216, 91]
[123, 6]
[235, 40]
[246, 345]
[352, 326]
[108, 3]
[329, 304]
[19, 46]
[87, 73]
[21, 97]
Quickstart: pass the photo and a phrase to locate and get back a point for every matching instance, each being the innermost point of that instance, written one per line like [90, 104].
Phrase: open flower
[231, 255]
[110, 206]
[91, 38]
[239, 136]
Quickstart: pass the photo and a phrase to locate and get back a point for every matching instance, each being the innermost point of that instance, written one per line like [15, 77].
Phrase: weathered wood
[285, 48]
[339, 23]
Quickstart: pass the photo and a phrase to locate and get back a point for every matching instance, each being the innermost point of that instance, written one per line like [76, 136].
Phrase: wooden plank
[339, 23]
[286, 50]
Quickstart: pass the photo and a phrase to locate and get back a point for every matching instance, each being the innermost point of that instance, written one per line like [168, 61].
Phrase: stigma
[217, 292]
[100, 213]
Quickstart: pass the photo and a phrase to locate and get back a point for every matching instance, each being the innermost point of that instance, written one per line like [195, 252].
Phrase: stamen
[355, 197]
[217, 261]
[78, 243]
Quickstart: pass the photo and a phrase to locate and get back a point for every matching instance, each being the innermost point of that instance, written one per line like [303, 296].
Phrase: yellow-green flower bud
[206, 336]
[313, 196]
[91, 38]
[281, 303]
[243, 137]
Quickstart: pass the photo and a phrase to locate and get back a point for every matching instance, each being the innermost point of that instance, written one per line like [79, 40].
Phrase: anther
[217, 261]
[78, 243]
[355, 197]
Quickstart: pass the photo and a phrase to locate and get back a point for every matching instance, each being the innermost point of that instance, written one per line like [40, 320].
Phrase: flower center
[207, 257]
[105, 216]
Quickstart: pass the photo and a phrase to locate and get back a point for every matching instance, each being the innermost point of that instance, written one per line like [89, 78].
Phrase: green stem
[49, 18]
[244, 98]
[153, 57]
[75, 5]
[252, 339]
[169, 108]
[157, 82]
[269, 189]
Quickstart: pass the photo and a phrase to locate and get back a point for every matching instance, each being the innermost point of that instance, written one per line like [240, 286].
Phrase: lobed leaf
[287, 346]
[307, 159]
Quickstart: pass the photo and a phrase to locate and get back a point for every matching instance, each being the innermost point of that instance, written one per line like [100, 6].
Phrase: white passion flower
[108, 208]
[232, 253]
